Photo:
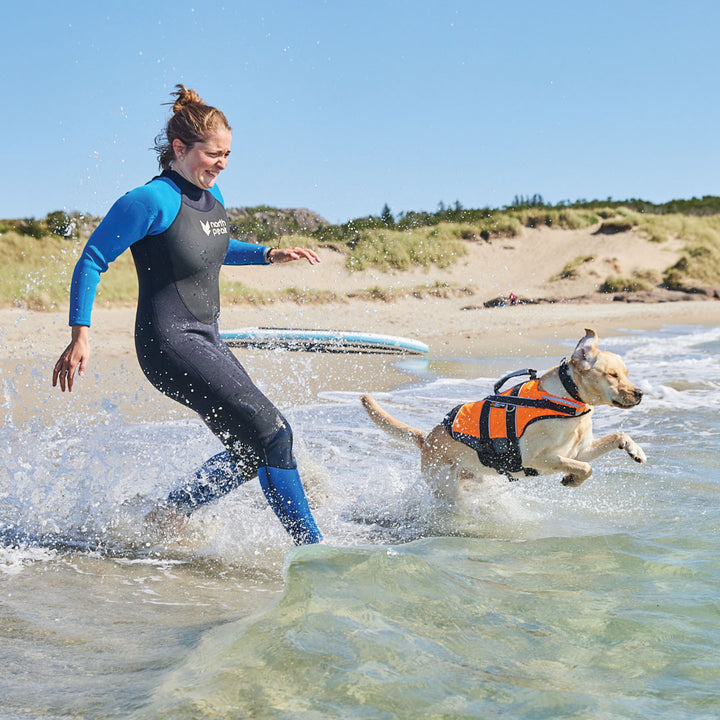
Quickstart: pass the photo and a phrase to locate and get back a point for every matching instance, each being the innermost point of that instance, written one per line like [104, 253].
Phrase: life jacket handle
[528, 371]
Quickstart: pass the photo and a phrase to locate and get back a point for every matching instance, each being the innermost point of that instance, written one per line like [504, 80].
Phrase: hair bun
[185, 96]
[192, 121]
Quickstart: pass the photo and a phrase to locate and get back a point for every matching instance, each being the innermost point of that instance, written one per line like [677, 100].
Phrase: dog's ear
[586, 350]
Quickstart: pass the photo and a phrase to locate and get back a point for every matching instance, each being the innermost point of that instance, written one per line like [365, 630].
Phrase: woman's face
[202, 163]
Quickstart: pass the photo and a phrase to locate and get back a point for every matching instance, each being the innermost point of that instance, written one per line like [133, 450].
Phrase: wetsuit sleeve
[130, 219]
[243, 253]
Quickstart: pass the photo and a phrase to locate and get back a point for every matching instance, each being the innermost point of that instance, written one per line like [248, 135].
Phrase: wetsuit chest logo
[214, 227]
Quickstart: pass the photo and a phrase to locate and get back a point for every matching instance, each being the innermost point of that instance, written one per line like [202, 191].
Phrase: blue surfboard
[331, 341]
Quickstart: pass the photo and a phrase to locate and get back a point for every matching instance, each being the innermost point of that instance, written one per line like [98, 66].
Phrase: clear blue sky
[342, 106]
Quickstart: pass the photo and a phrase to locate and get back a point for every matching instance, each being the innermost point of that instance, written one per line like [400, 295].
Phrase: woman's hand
[283, 255]
[75, 357]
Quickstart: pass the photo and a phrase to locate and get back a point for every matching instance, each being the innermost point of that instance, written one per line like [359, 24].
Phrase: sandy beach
[443, 308]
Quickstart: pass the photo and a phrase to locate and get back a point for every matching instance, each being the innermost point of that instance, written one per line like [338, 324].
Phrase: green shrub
[499, 225]
[570, 269]
[39, 255]
[611, 227]
[700, 262]
[62, 224]
[616, 283]
[31, 227]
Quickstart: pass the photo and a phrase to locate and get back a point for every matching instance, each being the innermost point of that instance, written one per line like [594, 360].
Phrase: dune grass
[39, 256]
[392, 249]
[399, 250]
[570, 269]
[563, 218]
[638, 282]
[36, 273]
[700, 261]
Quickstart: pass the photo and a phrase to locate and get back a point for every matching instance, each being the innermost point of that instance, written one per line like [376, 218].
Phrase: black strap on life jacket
[501, 454]
[512, 401]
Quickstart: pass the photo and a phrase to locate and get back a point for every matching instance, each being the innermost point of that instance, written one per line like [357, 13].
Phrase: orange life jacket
[493, 426]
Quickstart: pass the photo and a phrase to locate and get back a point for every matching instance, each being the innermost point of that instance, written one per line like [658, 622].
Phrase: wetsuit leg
[282, 488]
[286, 496]
[215, 478]
[192, 365]
[197, 369]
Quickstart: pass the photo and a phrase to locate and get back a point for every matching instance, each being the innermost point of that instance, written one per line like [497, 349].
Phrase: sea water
[526, 600]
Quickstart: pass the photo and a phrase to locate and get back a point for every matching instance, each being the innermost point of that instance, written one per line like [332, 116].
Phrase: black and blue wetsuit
[179, 238]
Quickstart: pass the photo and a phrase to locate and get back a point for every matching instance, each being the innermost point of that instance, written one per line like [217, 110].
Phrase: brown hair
[192, 121]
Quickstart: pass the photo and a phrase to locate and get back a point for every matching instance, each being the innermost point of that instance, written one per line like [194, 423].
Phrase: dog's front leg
[619, 441]
[576, 471]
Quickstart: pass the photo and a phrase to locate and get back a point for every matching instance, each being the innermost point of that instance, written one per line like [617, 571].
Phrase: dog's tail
[389, 424]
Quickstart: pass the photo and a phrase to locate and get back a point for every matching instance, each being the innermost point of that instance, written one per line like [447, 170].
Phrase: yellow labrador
[539, 427]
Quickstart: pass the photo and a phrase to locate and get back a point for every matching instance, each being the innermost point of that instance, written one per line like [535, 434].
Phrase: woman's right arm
[128, 220]
[131, 218]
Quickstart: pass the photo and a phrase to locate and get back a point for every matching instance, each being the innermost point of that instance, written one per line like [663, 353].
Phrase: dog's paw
[572, 481]
[633, 450]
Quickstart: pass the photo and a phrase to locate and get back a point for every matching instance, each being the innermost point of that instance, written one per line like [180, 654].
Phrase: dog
[505, 434]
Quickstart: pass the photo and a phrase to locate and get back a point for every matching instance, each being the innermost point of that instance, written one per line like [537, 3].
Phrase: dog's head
[601, 376]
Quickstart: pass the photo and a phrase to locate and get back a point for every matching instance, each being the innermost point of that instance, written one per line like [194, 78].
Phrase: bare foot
[167, 520]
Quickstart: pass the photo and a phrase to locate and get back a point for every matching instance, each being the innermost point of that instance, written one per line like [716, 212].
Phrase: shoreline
[463, 343]
[446, 325]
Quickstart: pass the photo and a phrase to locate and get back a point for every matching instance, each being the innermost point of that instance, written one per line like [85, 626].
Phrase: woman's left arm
[243, 253]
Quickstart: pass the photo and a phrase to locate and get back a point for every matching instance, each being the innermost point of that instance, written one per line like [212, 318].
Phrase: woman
[177, 230]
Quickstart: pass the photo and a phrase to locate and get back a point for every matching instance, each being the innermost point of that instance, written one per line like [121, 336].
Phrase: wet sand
[459, 340]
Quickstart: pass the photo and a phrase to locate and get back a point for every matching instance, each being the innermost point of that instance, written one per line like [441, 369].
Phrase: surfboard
[329, 341]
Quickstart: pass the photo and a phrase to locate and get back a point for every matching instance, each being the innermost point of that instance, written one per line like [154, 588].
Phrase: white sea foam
[93, 482]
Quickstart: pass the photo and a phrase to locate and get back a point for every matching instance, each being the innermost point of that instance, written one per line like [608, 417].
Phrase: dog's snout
[629, 397]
